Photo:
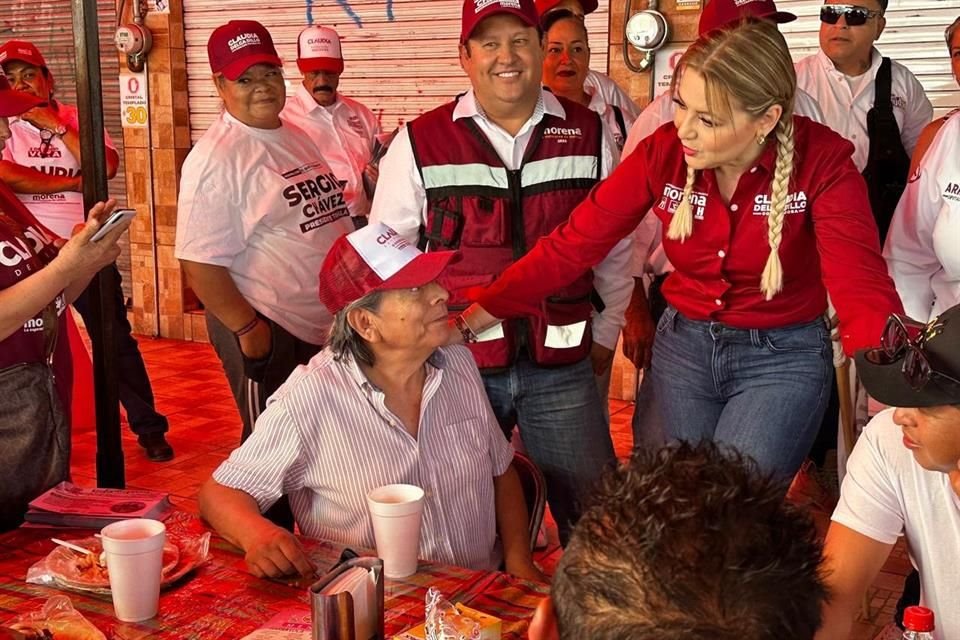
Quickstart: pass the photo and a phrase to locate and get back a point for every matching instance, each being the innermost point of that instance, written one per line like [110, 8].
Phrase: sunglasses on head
[904, 338]
[853, 15]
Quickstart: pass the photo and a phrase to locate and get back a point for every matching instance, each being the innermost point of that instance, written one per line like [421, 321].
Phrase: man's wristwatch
[469, 337]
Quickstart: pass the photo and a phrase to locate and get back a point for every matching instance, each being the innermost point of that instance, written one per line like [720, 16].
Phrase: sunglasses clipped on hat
[916, 365]
[853, 15]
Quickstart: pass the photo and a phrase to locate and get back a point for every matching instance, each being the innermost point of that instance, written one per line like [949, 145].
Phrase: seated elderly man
[688, 543]
[385, 402]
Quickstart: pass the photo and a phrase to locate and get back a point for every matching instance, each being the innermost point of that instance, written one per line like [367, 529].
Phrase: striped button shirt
[327, 438]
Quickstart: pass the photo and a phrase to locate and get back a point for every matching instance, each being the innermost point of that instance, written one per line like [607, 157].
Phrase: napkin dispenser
[333, 614]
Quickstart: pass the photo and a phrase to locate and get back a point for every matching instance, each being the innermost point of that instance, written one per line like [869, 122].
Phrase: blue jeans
[762, 391]
[558, 412]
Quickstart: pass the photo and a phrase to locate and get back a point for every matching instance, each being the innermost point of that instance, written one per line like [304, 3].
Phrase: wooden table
[221, 600]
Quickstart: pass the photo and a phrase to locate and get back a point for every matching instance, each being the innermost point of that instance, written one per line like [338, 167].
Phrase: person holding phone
[41, 163]
[36, 284]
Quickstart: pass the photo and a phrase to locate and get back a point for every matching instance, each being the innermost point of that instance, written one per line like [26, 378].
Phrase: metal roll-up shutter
[49, 25]
[913, 37]
[401, 56]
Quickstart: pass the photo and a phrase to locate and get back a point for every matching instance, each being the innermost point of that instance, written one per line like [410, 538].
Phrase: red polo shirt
[829, 238]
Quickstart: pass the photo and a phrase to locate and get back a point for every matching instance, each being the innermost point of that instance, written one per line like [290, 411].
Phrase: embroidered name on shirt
[561, 134]
[671, 200]
[952, 191]
[243, 40]
[796, 203]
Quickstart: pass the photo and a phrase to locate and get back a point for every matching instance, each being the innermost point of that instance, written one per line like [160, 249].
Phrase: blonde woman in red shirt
[765, 213]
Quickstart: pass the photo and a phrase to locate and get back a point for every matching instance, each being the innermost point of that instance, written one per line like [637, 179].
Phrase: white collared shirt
[845, 101]
[401, 203]
[327, 438]
[608, 114]
[603, 85]
[345, 133]
[923, 245]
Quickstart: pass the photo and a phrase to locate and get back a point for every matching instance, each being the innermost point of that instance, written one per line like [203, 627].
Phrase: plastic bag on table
[57, 620]
[63, 568]
[444, 622]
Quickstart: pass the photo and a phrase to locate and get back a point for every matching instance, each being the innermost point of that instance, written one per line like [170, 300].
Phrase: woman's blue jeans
[762, 391]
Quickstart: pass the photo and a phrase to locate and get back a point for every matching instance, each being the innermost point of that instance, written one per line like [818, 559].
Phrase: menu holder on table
[347, 603]
[67, 505]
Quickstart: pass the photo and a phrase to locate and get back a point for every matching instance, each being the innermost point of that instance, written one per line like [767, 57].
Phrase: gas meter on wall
[647, 30]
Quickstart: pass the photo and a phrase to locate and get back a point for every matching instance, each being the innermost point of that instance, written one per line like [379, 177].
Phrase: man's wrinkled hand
[638, 335]
[274, 552]
[601, 358]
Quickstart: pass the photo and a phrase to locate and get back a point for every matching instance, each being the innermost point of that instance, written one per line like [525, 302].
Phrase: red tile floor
[192, 392]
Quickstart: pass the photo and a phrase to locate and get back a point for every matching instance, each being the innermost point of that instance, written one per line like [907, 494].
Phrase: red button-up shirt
[829, 238]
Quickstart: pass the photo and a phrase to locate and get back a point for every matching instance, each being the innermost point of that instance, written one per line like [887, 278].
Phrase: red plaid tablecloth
[221, 600]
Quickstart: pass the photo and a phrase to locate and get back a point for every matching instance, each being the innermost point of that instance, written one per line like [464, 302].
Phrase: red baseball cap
[376, 258]
[588, 6]
[475, 11]
[13, 103]
[238, 45]
[726, 13]
[318, 49]
[23, 51]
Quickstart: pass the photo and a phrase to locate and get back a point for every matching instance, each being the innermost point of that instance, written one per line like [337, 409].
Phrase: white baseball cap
[318, 49]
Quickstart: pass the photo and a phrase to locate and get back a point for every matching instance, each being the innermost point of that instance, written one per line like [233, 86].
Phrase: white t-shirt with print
[63, 210]
[264, 204]
[345, 132]
[886, 494]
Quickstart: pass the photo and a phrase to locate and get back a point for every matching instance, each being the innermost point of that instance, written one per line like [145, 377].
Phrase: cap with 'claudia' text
[543, 6]
[238, 45]
[475, 11]
[23, 51]
[726, 13]
[318, 49]
[376, 258]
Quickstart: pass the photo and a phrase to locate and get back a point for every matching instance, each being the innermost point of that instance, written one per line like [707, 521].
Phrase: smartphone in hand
[117, 217]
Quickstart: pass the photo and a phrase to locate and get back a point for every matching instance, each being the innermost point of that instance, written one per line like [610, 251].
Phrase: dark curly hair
[690, 542]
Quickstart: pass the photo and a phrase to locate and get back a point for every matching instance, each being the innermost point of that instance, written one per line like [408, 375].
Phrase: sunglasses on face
[853, 15]
[903, 337]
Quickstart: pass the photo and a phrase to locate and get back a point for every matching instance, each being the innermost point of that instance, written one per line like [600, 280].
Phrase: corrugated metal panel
[49, 25]
[913, 37]
[401, 55]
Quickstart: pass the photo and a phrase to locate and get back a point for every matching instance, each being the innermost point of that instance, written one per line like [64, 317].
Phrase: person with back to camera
[687, 543]
[765, 214]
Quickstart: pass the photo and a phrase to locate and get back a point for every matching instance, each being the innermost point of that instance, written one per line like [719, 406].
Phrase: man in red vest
[489, 174]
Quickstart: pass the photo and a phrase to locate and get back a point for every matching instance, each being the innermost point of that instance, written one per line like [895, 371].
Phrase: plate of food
[89, 570]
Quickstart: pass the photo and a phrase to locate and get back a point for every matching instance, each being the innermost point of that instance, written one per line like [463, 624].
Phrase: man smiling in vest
[489, 174]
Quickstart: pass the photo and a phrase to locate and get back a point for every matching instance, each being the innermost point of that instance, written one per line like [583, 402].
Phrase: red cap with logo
[726, 13]
[238, 45]
[23, 51]
[13, 103]
[475, 11]
[318, 49]
[376, 258]
[588, 6]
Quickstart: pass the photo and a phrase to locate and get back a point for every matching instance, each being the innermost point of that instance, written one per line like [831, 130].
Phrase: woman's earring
[761, 139]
